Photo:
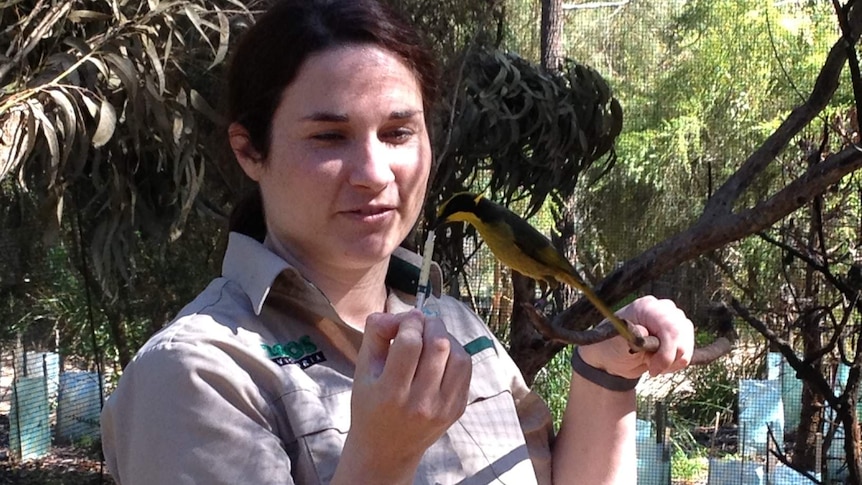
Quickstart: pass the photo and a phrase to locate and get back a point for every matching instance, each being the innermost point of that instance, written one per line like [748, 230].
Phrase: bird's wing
[536, 246]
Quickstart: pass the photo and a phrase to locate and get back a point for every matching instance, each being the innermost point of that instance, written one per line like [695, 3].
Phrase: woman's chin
[368, 252]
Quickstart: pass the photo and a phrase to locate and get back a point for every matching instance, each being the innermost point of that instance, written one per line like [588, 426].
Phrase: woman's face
[348, 164]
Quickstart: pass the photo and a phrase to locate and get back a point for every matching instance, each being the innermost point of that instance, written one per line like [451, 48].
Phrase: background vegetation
[114, 182]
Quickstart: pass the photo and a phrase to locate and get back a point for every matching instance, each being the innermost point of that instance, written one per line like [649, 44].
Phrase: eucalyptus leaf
[14, 140]
[200, 104]
[106, 126]
[71, 120]
[155, 62]
[195, 19]
[78, 16]
[50, 136]
[223, 38]
[125, 71]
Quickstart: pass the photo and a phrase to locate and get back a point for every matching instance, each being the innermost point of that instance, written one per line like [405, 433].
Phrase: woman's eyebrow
[325, 116]
[403, 115]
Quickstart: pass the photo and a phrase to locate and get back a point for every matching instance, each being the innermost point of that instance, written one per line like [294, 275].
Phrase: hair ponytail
[247, 216]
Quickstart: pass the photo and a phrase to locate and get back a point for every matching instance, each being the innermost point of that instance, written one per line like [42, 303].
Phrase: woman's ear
[243, 149]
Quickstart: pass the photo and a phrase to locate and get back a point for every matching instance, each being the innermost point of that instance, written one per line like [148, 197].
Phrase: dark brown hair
[271, 53]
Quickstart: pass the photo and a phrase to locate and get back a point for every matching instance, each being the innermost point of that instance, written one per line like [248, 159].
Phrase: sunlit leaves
[727, 73]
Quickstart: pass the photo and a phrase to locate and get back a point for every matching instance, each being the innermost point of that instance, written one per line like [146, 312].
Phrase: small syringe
[425, 272]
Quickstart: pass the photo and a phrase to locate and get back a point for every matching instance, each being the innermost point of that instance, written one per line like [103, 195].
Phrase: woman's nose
[372, 165]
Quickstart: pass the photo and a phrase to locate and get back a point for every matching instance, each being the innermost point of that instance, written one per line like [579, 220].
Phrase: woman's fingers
[405, 351]
[380, 329]
[663, 319]
[652, 316]
[420, 377]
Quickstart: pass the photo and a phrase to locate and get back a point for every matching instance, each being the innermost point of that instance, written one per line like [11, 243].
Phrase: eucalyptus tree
[111, 129]
[105, 119]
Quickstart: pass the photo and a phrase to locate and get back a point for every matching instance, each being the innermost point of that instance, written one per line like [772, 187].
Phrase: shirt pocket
[488, 436]
[319, 425]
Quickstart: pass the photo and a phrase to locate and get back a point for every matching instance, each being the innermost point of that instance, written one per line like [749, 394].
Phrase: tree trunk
[552, 34]
[119, 336]
[852, 436]
[811, 414]
[524, 339]
[806, 448]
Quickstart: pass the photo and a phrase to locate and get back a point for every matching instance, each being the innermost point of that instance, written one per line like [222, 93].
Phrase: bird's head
[459, 207]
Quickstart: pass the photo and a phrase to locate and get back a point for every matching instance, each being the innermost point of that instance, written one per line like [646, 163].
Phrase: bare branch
[709, 234]
[852, 58]
[803, 371]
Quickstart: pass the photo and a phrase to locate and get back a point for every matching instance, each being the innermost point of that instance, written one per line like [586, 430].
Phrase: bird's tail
[636, 341]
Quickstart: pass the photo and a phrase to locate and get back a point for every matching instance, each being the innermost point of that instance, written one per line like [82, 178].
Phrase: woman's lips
[371, 213]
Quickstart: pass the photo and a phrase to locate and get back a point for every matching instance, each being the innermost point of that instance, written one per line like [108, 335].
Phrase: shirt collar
[255, 268]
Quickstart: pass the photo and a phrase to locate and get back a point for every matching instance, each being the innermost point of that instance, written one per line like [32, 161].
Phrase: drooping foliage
[104, 110]
[519, 129]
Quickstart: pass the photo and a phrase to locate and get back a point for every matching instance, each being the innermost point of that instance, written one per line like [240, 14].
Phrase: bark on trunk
[552, 34]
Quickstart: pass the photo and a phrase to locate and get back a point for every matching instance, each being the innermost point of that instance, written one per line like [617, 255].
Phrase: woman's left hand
[651, 316]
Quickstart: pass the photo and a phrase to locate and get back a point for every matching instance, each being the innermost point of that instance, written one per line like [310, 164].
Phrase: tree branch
[725, 197]
[803, 371]
[710, 234]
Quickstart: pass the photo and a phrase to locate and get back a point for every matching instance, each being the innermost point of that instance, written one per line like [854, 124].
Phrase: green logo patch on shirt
[303, 352]
[478, 345]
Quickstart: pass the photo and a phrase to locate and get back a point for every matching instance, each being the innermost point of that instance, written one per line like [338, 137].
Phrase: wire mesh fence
[50, 399]
[48, 403]
[44, 405]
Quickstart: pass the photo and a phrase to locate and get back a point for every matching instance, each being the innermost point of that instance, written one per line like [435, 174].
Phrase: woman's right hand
[411, 384]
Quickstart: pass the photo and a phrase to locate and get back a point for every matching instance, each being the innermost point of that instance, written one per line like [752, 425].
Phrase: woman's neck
[354, 293]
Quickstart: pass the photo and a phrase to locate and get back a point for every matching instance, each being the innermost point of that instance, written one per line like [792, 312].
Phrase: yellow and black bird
[524, 249]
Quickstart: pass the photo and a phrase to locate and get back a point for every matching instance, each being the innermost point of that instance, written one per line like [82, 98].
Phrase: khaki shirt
[251, 384]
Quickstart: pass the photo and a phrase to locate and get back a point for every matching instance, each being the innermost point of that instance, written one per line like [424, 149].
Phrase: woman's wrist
[370, 464]
[600, 377]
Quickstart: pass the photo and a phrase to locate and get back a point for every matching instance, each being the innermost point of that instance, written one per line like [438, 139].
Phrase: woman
[304, 362]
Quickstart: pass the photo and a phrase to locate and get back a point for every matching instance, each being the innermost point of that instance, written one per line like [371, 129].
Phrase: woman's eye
[399, 135]
[327, 136]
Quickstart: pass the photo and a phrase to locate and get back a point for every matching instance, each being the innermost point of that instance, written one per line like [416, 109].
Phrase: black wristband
[600, 377]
